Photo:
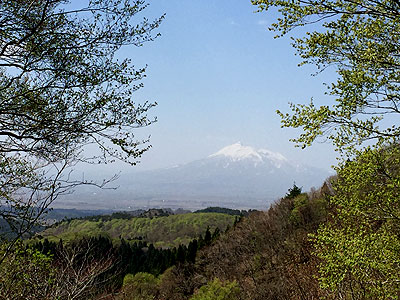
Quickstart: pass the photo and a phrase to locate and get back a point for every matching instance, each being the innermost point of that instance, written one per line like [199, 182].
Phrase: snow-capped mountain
[237, 152]
[235, 176]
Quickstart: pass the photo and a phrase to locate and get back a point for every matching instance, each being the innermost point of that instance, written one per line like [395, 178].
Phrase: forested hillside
[267, 255]
[338, 242]
[93, 264]
[164, 231]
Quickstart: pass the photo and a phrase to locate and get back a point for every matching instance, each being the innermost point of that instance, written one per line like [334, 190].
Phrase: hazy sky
[218, 76]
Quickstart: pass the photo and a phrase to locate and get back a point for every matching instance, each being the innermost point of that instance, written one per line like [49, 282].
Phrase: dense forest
[163, 231]
[88, 267]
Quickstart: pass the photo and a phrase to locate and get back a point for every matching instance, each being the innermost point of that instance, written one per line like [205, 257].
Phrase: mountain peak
[237, 152]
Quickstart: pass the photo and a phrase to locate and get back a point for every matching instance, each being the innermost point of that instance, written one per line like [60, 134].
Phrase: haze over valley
[236, 176]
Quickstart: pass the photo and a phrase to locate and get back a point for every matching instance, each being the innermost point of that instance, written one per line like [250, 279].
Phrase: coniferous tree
[207, 236]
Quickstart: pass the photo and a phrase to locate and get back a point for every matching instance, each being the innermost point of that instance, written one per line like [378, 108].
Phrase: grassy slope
[162, 231]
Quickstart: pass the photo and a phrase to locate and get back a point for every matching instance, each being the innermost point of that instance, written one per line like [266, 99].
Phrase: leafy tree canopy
[62, 87]
[218, 290]
[61, 84]
[360, 247]
[360, 40]
[359, 244]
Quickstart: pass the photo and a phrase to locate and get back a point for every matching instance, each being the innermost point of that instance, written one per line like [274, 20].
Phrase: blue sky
[218, 76]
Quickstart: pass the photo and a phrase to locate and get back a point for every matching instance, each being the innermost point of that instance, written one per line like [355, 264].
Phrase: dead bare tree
[81, 271]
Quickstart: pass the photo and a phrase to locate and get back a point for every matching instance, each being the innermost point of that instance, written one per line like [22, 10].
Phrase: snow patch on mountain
[237, 152]
[277, 158]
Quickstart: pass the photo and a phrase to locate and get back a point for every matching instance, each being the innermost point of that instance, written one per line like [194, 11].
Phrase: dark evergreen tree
[192, 250]
[181, 254]
[201, 242]
[207, 236]
[293, 192]
[216, 234]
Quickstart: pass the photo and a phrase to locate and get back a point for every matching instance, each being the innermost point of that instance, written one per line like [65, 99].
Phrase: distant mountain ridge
[236, 176]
